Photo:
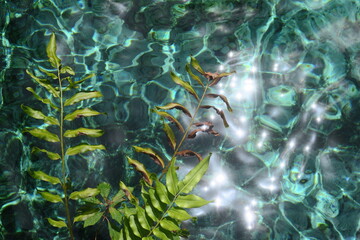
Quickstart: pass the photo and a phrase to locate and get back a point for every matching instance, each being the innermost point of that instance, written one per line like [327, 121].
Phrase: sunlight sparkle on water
[292, 143]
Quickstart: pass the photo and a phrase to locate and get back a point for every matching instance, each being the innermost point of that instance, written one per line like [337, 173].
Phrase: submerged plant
[58, 81]
[164, 203]
[161, 207]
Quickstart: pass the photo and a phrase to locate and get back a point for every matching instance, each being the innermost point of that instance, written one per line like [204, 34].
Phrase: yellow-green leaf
[160, 234]
[148, 206]
[51, 197]
[116, 215]
[141, 169]
[43, 134]
[170, 135]
[85, 78]
[179, 214]
[191, 201]
[222, 97]
[39, 115]
[193, 76]
[92, 220]
[83, 131]
[172, 105]
[118, 198]
[43, 100]
[82, 96]
[82, 148]
[104, 189]
[85, 112]
[141, 216]
[88, 192]
[67, 69]
[83, 217]
[162, 192]
[157, 159]
[154, 200]
[44, 83]
[56, 223]
[114, 234]
[172, 179]
[44, 177]
[51, 155]
[170, 118]
[134, 226]
[51, 52]
[195, 64]
[194, 176]
[185, 85]
[128, 193]
[49, 74]
[169, 225]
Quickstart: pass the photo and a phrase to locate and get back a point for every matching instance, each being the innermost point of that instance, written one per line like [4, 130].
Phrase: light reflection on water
[286, 168]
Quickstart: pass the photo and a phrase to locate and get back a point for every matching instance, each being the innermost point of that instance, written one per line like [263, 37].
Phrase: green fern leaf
[116, 215]
[190, 201]
[141, 216]
[179, 214]
[194, 176]
[162, 192]
[104, 189]
[154, 200]
[172, 179]
[93, 219]
[169, 224]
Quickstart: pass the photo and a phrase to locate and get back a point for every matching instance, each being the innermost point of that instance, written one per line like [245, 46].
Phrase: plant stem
[63, 165]
[186, 132]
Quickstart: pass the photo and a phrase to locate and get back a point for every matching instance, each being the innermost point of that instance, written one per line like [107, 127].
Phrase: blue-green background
[287, 167]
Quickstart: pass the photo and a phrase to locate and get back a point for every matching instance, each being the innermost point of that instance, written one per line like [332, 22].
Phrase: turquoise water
[286, 168]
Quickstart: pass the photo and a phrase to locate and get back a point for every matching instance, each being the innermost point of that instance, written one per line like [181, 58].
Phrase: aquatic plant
[61, 76]
[163, 202]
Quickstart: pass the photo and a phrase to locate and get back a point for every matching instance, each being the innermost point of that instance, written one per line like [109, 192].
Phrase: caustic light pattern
[286, 168]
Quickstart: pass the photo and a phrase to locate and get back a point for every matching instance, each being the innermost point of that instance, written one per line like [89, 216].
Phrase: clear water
[288, 165]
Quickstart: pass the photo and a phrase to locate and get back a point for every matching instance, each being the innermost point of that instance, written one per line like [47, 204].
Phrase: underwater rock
[281, 96]
[327, 204]
[297, 183]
